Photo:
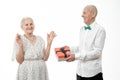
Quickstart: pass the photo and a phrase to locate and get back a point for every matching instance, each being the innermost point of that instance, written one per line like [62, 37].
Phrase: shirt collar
[91, 25]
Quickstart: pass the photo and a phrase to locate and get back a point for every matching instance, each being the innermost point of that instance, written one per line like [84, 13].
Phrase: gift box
[62, 53]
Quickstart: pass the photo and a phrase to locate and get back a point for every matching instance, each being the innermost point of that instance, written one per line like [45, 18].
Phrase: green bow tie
[87, 27]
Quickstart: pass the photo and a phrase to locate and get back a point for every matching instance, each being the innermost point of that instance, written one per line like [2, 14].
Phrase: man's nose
[82, 15]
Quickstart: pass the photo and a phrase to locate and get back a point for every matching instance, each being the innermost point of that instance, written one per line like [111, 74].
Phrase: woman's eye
[26, 24]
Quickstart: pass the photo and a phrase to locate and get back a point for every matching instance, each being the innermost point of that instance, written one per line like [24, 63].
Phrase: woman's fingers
[52, 34]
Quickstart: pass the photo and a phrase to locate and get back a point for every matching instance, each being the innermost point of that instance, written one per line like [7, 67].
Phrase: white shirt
[89, 51]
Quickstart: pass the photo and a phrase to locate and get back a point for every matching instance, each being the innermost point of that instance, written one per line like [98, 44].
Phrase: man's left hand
[70, 58]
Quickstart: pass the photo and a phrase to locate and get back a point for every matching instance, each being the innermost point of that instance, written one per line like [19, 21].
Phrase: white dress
[33, 67]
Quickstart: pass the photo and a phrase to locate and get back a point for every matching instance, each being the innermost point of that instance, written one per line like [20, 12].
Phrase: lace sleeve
[15, 50]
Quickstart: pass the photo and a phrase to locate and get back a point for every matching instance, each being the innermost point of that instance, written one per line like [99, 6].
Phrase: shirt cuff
[79, 56]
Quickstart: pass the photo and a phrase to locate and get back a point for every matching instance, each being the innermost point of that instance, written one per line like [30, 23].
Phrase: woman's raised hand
[51, 36]
[18, 39]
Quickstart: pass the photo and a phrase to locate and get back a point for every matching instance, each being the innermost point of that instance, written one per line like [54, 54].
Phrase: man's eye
[31, 24]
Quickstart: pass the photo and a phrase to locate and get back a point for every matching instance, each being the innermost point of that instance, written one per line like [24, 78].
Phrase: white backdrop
[64, 17]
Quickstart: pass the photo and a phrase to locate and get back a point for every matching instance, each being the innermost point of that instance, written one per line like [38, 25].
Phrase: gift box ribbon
[63, 50]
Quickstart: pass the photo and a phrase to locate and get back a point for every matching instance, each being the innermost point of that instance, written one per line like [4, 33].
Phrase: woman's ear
[22, 27]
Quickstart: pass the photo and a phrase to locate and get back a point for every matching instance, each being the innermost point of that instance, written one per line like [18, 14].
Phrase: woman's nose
[29, 26]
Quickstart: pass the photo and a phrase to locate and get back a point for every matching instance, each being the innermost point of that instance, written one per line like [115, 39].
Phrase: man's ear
[93, 15]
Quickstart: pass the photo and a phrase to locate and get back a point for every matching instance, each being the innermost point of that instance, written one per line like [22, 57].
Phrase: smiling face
[27, 25]
[89, 14]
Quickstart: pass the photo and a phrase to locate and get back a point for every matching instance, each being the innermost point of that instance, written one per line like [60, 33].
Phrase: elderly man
[89, 51]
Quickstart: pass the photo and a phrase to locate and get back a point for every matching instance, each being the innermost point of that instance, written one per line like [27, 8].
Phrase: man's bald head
[92, 9]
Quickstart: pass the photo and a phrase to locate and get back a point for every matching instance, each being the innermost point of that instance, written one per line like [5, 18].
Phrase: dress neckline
[35, 42]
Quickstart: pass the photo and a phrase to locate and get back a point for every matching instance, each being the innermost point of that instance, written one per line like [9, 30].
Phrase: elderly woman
[30, 52]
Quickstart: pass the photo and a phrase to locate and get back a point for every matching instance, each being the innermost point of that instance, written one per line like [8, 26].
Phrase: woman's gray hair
[23, 19]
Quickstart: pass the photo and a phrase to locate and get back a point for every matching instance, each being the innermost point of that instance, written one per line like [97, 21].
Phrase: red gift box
[62, 53]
